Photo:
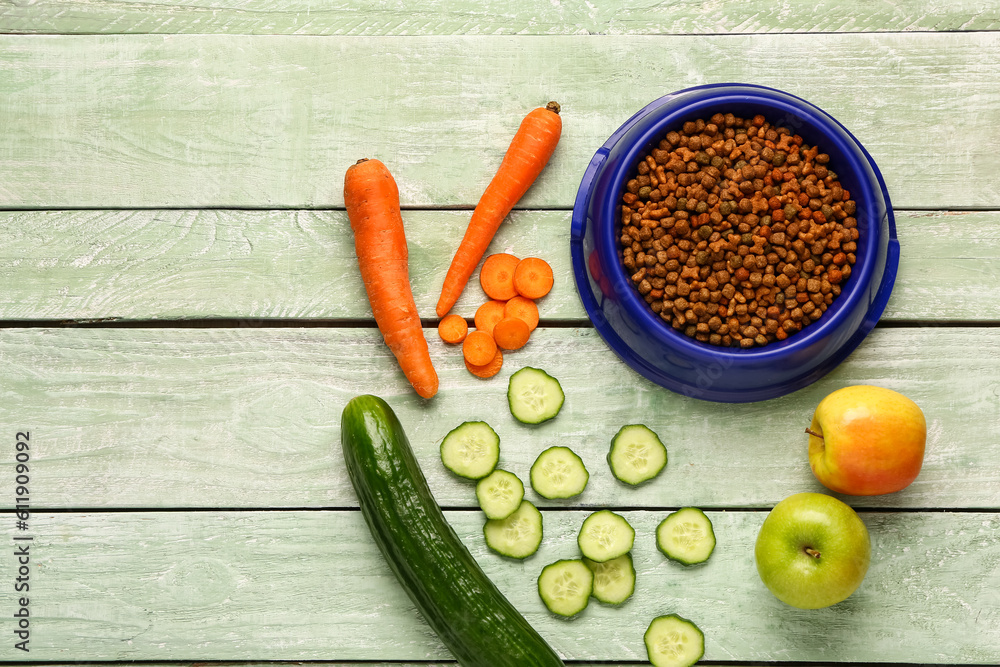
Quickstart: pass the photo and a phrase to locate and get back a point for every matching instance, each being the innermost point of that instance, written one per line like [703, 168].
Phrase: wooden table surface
[182, 321]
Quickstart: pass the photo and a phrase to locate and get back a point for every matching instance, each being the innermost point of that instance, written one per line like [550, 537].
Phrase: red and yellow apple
[866, 441]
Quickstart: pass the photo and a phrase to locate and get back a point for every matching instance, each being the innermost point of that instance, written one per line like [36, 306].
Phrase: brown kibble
[736, 232]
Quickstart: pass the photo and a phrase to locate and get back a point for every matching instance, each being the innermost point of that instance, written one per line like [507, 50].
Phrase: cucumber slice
[636, 454]
[517, 536]
[565, 586]
[672, 641]
[500, 493]
[605, 535]
[559, 473]
[614, 580]
[471, 450]
[534, 396]
[686, 536]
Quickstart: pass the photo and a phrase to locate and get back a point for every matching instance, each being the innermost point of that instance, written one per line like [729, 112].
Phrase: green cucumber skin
[463, 606]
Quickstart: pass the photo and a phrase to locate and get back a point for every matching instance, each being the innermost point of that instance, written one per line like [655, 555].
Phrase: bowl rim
[668, 111]
[810, 334]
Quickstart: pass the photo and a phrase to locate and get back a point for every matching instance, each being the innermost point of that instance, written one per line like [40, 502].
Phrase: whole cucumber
[470, 615]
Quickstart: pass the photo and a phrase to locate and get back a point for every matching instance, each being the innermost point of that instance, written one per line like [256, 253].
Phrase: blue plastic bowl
[668, 357]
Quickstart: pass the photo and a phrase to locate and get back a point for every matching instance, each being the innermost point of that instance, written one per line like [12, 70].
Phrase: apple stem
[812, 552]
[814, 433]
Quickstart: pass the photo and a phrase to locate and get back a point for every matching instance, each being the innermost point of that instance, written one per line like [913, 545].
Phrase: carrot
[479, 348]
[487, 370]
[533, 277]
[497, 276]
[452, 328]
[524, 309]
[372, 201]
[488, 314]
[511, 333]
[529, 152]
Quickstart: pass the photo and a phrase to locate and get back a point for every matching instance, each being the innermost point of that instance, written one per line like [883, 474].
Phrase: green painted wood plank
[274, 121]
[311, 585]
[945, 259]
[307, 17]
[257, 266]
[249, 418]
[253, 265]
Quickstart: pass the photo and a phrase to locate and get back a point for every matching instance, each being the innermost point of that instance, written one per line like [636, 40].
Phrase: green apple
[812, 551]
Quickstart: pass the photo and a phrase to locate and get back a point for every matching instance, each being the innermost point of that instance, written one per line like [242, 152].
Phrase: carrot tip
[427, 392]
[553, 107]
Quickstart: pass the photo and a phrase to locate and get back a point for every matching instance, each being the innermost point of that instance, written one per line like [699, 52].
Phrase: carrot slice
[453, 328]
[487, 370]
[479, 348]
[497, 276]
[488, 314]
[533, 278]
[511, 333]
[523, 309]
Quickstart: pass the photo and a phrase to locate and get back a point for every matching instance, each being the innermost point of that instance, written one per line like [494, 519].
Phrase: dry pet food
[736, 232]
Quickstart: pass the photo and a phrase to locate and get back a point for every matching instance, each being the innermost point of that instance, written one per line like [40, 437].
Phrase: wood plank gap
[439, 663]
[817, 33]
[592, 33]
[583, 508]
[208, 323]
[409, 207]
[427, 323]
[938, 324]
